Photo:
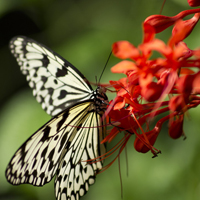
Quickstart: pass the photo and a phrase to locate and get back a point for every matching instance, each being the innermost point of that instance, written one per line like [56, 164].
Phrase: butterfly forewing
[56, 83]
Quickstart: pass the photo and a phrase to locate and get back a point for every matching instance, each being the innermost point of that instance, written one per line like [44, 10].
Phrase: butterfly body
[72, 137]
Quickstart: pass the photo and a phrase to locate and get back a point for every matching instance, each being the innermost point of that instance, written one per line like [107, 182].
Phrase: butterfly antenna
[105, 66]
[96, 80]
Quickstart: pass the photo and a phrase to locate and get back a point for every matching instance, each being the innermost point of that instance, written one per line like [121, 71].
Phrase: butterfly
[73, 136]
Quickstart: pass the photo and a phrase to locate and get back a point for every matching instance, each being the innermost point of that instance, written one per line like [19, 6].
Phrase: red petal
[182, 29]
[152, 91]
[196, 83]
[119, 105]
[185, 84]
[178, 103]
[156, 45]
[123, 67]
[149, 32]
[124, 49]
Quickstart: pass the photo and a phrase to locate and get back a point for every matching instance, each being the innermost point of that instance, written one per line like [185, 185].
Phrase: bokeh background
[83, 32]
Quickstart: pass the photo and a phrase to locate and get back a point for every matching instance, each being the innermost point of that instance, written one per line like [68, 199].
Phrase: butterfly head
[101, 99]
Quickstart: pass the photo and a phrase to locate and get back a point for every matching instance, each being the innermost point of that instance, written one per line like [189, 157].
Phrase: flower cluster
[169, 84]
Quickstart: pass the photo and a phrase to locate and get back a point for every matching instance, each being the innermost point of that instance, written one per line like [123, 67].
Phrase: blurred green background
[83, 32]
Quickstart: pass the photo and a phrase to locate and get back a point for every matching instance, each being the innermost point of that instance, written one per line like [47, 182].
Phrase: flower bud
[193, 3]
[178, 103]
[176, 128]
[140, 146]
[159, 22]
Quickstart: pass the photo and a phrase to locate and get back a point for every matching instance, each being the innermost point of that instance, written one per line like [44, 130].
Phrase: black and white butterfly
[63, 145]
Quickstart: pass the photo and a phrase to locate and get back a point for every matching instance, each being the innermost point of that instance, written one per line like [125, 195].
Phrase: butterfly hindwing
[58, 141]
[75, 174]
[56, 83]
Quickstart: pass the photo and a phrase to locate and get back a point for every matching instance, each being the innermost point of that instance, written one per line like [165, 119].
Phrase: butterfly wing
[62, 145]
[56, 83]
[75, 175]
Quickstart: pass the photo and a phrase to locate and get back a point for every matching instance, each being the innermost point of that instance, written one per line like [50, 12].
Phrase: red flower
[164, 85]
